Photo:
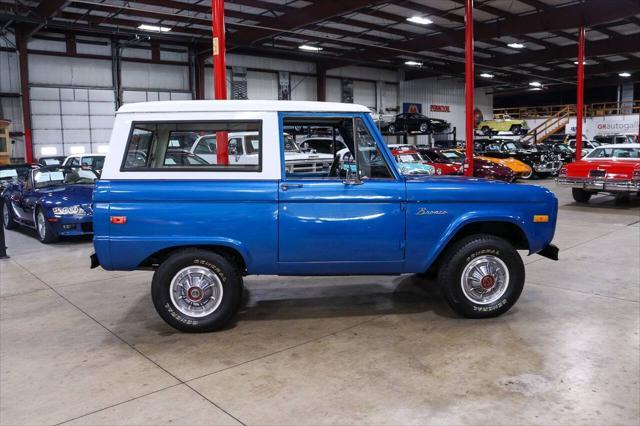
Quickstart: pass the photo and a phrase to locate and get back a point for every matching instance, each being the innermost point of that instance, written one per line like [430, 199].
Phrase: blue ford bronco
[203, 222]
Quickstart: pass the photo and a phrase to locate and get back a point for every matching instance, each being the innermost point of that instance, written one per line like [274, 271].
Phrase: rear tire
[7, 217]
[391, 129]
[197, 290]
[481, 276]
[424, 127]
[580, 195]
[527, 176]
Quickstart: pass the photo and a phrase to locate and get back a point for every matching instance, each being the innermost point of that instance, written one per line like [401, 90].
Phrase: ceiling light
[413, 63]
[535, 84]
[486, 75]
[536, 88]
[155, 28]
[420, 20]
[516, 45]
[309, 48]
[625, 74]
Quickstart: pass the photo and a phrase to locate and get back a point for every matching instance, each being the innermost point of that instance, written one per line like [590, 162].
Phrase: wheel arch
[505, 228]
[234, 254]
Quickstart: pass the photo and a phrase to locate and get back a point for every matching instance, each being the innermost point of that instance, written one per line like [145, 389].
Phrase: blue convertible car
[56, 201]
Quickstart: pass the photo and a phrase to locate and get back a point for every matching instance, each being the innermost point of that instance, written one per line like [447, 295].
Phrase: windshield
[51, 161]
[63, 176]
[408, 158]
[290, 145]
[453, 155]
[623, 153]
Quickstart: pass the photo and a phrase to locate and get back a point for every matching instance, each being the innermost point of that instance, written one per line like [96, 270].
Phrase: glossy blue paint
[296, 226]
[242, 215]
[25, 200]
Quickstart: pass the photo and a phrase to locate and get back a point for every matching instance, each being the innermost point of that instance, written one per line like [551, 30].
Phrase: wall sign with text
[439, 108]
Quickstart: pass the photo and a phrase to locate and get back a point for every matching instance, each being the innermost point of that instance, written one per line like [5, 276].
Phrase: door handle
[286, 186]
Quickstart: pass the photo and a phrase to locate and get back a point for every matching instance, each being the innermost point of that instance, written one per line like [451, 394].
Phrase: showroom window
[194, 146]
[323, 148]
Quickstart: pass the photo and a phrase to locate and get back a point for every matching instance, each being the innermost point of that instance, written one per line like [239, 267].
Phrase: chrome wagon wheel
[485, 279]
[41, 225]
[196, 291]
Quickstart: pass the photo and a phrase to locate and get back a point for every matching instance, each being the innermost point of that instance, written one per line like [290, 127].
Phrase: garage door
[130, 96]
[71, 121]
[364, 93]
[262, 85]
[303, 88]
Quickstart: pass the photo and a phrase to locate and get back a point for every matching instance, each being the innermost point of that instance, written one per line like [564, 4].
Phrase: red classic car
[612, 169]
[442, 168]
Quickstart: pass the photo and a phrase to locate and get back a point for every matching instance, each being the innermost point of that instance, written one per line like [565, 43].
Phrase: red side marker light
[118, 220]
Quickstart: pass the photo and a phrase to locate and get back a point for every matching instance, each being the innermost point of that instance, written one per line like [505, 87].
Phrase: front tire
[486, 130]
[7, 217]
[580, 195]
[391, 129]
[516, 129]
[46, 234]
[424, 127]
[196, 290]
[481, 276]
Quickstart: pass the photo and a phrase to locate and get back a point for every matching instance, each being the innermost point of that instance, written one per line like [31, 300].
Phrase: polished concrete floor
[83, 346]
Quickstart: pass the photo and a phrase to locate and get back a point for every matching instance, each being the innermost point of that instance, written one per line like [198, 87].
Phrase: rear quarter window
[152, 146]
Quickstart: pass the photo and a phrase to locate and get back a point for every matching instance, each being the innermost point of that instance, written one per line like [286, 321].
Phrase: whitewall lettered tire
[196, 290]
[481, 276]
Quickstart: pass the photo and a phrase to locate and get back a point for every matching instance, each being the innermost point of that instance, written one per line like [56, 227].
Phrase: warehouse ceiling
[516, 40]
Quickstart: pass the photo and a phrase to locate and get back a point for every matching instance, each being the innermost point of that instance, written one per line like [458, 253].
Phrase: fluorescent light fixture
[48, 150]
[103, 149]
[77, 150]
[420, 20]
[155, 28]
[536, 88]
[309, 48]
[487, 75]
[535, 84]
[516, 45]
[625, 74]
[413, 63]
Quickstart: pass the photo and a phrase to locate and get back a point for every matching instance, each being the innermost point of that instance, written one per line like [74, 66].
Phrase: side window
[372, 164]
[87, 161]
[74, 162]
[152, 146]
[340, 138]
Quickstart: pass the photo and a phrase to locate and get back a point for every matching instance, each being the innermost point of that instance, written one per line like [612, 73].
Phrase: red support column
[21, 41]
[469, 77]
[219, 72]
[580, 94]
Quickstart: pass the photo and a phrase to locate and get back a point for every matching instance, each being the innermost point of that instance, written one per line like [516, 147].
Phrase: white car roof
[621, 145]
[240, 105]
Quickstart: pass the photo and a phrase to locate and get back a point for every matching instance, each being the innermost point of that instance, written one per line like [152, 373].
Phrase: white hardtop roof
[620, 145]
[244, 105]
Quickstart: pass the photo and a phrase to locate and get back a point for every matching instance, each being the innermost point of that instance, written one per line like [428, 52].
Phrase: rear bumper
[550, 252]
[548, 167]
[604, 185]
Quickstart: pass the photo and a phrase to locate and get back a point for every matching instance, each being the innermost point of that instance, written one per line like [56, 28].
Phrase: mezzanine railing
[590, 110]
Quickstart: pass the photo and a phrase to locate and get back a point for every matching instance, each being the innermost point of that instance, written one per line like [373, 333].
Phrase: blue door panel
[328, 221]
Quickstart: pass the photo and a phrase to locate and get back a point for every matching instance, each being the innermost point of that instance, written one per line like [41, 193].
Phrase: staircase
[548, 127]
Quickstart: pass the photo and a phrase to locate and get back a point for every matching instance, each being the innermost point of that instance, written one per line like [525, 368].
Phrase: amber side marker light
[540, 218]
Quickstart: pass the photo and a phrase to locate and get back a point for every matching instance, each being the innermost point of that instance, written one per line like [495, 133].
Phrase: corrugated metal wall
[73, 99]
